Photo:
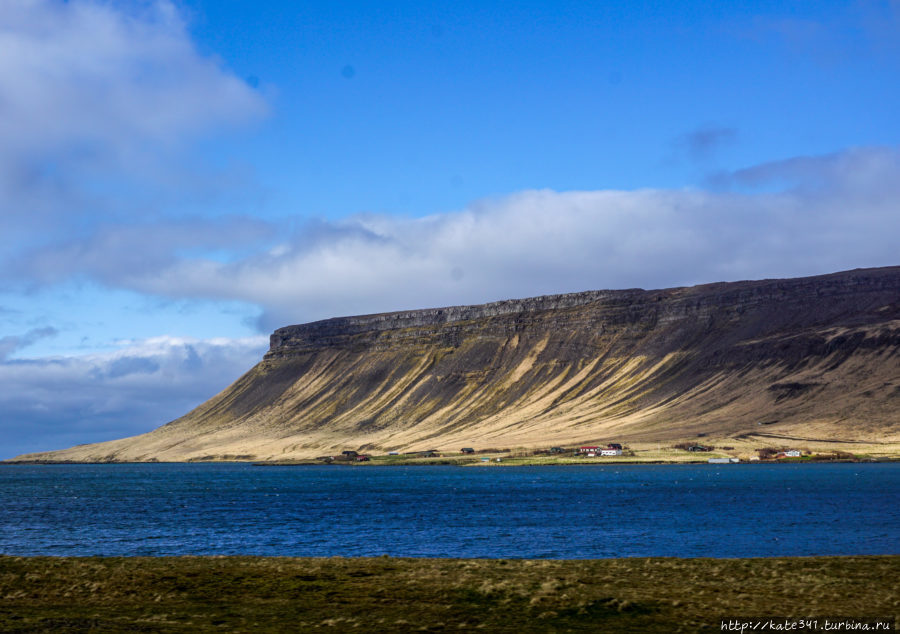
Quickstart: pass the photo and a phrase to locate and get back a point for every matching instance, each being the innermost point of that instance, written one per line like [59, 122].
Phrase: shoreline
[762, 448]
[450, 462]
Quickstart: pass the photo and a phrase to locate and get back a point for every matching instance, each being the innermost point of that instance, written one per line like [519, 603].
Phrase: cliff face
[817, 355]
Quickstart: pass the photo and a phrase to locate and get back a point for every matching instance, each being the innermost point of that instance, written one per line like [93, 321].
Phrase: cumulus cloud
[116, 253]
[802, 216]
[95, 95]
[88, 73]
[98, 102]
[51, 403]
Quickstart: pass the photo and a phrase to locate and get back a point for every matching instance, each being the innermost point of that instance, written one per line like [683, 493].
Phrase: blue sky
[179, 178]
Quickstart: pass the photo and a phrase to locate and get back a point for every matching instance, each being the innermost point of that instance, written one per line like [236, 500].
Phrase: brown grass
[389, 594]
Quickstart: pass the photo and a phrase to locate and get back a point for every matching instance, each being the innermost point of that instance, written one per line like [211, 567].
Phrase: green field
[253, 594]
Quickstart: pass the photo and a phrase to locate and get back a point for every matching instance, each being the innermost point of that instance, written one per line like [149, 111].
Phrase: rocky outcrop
[817, 355]
[785, 303]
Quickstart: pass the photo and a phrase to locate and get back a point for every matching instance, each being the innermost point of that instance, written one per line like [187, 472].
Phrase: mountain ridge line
[813, 357]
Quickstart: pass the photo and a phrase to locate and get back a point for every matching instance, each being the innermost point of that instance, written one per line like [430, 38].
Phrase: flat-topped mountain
[809, 357]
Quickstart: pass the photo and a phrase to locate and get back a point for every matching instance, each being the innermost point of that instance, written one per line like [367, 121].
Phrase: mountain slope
[811, 356]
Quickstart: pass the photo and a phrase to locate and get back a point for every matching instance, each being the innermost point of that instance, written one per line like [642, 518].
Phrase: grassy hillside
[815, 358]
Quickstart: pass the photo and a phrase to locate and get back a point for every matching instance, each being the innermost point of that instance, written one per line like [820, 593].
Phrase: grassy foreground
[390, 594]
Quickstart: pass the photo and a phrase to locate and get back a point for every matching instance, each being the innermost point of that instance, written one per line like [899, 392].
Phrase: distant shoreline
[752, 449]
[439, 462]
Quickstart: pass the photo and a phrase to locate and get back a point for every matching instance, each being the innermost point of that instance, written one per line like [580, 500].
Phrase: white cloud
[804, 216]
[808, 216]
[52, 403]
[95, 97]
[88, 76]
[116, 253]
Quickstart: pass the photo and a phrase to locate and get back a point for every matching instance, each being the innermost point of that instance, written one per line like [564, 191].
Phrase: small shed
[467, 450]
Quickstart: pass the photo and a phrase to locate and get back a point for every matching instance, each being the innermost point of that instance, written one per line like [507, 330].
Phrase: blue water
[541, 512]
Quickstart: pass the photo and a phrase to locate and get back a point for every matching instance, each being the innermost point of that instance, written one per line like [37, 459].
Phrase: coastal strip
[403, 594]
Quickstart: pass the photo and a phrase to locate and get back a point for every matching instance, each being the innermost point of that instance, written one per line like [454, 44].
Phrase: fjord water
[493, 512]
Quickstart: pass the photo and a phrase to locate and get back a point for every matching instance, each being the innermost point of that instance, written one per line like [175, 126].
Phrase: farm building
[612, 449]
